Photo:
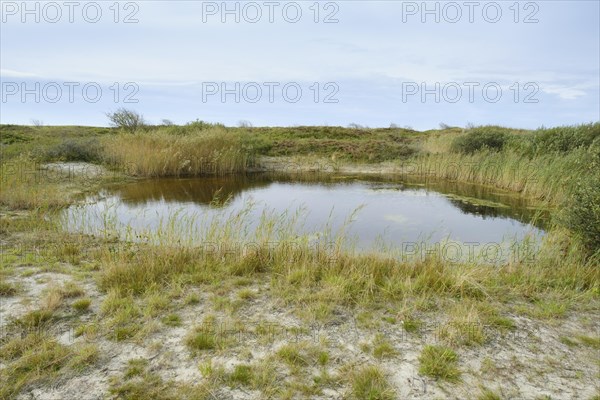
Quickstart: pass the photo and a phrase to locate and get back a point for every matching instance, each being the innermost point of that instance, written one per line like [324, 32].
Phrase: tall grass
[559, 165]
[214, 151]
[303, 274]
[545, 177]
[26, 186]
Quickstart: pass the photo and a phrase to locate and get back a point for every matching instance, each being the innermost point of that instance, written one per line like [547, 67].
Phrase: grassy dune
[141, 290]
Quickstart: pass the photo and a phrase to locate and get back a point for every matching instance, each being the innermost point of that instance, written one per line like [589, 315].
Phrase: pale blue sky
[372, 55]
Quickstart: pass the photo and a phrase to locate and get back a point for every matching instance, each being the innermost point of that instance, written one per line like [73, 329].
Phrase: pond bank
[245, 328]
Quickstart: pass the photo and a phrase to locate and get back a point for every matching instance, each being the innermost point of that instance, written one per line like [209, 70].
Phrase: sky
[282, 63]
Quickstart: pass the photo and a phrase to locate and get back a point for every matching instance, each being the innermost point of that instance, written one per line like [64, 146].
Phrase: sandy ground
[527, 363]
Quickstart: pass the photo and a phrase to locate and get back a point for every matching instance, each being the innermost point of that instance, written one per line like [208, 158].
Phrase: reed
[547, 177]
[214, 151]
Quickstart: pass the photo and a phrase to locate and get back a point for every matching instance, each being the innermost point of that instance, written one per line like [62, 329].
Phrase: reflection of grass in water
[319, 278]
[476, 202]
[248, 226]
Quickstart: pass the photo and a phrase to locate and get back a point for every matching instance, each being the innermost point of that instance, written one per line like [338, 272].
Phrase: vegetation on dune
[145, 286]
[485, 138]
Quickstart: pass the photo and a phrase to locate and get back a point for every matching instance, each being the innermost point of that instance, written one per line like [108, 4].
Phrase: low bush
[582, 212]
[87, 150]
[483, 138]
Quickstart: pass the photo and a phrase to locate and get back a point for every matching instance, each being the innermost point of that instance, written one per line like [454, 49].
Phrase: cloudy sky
[373, 63]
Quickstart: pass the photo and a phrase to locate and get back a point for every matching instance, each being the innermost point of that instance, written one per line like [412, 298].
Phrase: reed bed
[160, 153]
[546, 177]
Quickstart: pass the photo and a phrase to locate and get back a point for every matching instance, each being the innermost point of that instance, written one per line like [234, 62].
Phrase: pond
[382, 213]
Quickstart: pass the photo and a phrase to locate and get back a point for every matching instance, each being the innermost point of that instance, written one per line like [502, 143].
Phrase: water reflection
[391, 211]
[215, 191]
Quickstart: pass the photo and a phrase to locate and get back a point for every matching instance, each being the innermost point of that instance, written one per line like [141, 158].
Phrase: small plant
[82, 304]
[439, 362]
[203, 337]
[242, 374]
[370, 382]
[192, 298]
[411, 324]
[84, 356]
[382, 348]
[135, 367]
[35, 319]
[292, 355]
[487, 394]
[87, 150]
[7, 289]
[246, 294]
[593, 342]
[172, 320]
[70, 290]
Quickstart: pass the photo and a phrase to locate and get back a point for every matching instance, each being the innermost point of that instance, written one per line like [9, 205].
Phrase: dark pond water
[380, 213]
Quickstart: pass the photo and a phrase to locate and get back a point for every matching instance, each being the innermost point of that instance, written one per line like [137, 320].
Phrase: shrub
[477, 139]
[565, 138]
[127, 119]
[87, 150]
[582, 212]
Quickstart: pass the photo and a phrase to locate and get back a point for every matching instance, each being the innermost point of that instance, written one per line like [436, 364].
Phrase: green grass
[383, 348]
[81, 304]
[205, 337]
[7, 289]
[172, 320]
[439, 362]
[487, 394]
[593, 342]
[242, 375]
[138, 382]
[37, 359]
[370, 382]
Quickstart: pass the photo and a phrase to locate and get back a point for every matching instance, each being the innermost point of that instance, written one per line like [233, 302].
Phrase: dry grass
[25, 186]
[214, 151]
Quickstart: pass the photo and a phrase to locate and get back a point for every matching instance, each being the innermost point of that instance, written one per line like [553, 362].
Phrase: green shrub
[484, 138]
[564, 139]
[87, 150]
[582, 213]
[192, 127]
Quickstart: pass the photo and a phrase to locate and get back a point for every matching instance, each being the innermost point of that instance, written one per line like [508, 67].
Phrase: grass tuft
[439, 362]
